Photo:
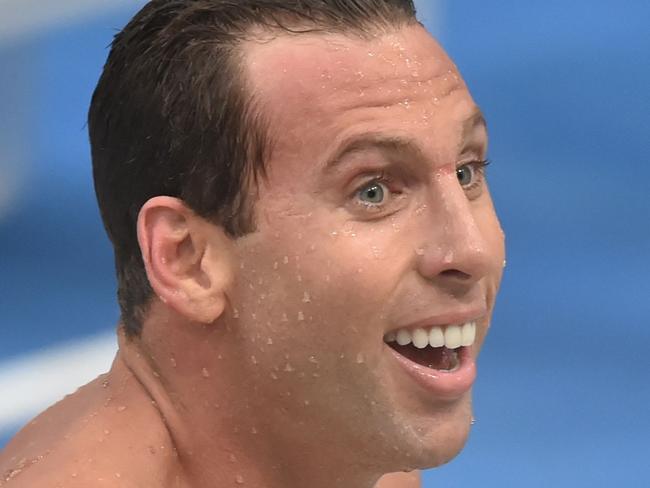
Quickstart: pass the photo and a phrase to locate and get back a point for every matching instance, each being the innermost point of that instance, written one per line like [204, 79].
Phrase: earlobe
[187, 259]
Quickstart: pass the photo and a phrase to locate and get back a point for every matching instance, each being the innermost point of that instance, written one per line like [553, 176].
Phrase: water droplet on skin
[285, 260]
[307, 402]
[205, 373]
[306, 297]
[253, 360]
[275, 265]
[121, 408]
[239, 479]
[105, 384]
[235, 313]
[312, 359]
[420, 209]
[342, 356]
[360, 358]
[274, 376]
[289, 368]
[118, 475]
[299, 278]
[301, 316]
[233, 458]
[107, 432]
[173, 361]
[327, 278]
[285, 318]
[473, 421]
[449, 257]
[504, 263]
[253, 430]
[419, 251]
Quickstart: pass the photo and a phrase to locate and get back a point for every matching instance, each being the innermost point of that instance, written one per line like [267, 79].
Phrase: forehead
[316, 89]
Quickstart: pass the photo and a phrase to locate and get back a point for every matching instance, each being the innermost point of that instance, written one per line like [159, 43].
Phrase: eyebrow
[373, 140]
[397, 144]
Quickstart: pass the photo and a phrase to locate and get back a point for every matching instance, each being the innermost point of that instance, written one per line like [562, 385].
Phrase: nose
[455, 252]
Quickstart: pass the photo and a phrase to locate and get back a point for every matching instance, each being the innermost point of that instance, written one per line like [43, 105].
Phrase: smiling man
[306, 249]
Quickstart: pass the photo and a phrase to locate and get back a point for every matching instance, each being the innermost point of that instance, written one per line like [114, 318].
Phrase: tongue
[431, 357]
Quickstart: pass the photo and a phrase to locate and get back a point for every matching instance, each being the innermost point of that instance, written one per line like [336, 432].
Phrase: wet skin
[264, 355]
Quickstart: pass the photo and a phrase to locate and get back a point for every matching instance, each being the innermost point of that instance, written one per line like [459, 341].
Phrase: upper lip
[453, 317]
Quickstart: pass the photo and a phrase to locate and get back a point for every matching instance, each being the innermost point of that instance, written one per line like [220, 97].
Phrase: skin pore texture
[262, 361]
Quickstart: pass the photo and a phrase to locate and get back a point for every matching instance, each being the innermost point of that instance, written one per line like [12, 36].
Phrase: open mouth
[434, 347]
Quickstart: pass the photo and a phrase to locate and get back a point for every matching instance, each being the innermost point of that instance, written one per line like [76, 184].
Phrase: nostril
[456, 274]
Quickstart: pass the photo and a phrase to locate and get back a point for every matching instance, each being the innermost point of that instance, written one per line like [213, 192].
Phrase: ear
[189, 261]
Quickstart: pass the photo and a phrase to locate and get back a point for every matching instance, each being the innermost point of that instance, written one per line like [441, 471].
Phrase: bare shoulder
[84, 439]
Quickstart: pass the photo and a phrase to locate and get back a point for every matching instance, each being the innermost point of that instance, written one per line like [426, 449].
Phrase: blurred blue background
[564, 388]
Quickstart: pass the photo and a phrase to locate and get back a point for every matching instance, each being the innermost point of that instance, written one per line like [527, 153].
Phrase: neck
[220, 436]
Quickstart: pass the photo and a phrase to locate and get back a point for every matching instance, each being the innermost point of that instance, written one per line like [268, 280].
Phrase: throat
[440, 358]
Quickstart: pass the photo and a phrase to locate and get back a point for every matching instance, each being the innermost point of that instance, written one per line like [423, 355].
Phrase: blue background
[564, 388]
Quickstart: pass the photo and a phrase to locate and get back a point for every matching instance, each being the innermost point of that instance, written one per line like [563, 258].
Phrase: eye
[471, 175]
[466, 174]
[373, 193]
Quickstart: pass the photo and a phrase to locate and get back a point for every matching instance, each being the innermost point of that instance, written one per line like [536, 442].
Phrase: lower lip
[446, 385]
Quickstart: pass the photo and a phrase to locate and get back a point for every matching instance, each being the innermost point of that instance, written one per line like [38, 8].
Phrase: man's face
[373, 217]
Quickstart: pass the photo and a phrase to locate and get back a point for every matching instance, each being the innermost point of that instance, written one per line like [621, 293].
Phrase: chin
[438, 439]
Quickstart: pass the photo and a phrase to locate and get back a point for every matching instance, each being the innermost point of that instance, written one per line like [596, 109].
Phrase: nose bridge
[454, 244]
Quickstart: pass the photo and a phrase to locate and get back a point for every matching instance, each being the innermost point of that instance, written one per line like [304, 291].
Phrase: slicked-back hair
[172, 114]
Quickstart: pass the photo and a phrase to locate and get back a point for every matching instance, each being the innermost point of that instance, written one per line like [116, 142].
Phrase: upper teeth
[452, 336]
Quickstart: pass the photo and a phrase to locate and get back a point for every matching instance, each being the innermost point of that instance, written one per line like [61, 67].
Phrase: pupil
[464, 176]
[374, 194]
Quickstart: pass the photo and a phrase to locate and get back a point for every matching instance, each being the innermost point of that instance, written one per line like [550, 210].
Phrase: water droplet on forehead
[285, 260]
[301, 316]
[306, 297]
[205, 373]
[360, 358]
[289, 368]
[239, 479]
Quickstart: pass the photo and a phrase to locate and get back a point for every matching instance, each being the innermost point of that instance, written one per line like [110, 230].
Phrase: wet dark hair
[172, 115]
